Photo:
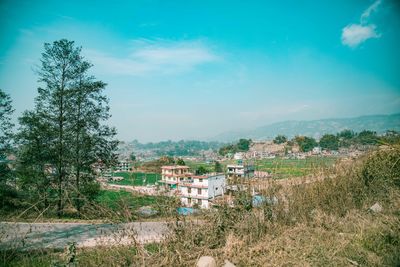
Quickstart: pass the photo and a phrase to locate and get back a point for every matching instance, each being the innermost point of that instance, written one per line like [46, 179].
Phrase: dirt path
[59, 235]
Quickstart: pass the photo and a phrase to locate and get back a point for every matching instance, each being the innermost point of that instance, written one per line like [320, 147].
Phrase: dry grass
[323, 223]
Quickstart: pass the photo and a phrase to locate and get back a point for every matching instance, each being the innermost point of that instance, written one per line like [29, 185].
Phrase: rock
[206, 261]
[353, 262]
[147, 211]
[228, 264]
[376, 208]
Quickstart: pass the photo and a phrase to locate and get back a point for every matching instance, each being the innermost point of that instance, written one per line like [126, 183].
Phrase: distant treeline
[346, 139]
[343, 139]
[177, 148]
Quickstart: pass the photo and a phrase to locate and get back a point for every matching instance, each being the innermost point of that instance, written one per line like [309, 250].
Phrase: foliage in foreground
[325, 223]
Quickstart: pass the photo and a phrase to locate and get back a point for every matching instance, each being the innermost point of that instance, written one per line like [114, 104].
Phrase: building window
[199, 191]
[189, 190]
[199, 202]
[189, 201]
[200, 180]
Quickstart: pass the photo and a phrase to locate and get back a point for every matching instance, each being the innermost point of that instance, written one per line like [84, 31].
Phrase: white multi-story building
[123, 166]
[201, 190]
[172, 175]
[240, 171]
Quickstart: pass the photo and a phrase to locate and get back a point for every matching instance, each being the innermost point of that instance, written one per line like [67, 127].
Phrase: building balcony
[193, 185]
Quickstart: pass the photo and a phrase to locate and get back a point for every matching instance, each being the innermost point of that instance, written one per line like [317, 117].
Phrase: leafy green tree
[329, 142]
[60, 64]
[280, 139]
[6, 125]
[227, 149]
[132, 156]
[201, 170]
[243, 145]
[367, 138]
[218, 167]
[89, 110]
[180, 162]
[346, 134]
[305, 143]
[7, 192]
[34, 170]
[346, 138]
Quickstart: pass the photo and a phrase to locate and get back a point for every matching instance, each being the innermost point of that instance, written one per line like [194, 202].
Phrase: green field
[284, 168]
[136, 178]
[116, 199]
[278, 167]
[194, 165]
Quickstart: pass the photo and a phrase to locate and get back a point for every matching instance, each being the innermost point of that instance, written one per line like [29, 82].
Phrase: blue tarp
[259, 200]
[186, 211]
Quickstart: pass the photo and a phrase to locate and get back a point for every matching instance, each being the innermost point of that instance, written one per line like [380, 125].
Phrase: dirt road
[59, 235]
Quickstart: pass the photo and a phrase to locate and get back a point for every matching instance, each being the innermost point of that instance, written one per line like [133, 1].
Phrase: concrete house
[201, 190]
[193, 190]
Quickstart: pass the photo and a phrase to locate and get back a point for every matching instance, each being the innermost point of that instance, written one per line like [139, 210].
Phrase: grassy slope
[114, 199]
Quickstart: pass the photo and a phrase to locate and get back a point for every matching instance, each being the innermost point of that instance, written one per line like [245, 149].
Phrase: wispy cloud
[355, 34]
[155, 56]
[372, 8]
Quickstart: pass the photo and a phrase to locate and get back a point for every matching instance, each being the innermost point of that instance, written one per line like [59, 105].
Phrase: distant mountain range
[316, 128]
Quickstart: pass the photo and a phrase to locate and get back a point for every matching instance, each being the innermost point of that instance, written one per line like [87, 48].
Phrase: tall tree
[60, 64]
[280, 139]
[244, 144]
[367, 137]
[6, 125]
[329, 142]
[89, 109]
[305, 143]
[218, 167]
[6, 135]
[71, 110]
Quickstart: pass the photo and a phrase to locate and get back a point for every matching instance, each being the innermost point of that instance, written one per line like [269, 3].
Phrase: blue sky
[194, 69]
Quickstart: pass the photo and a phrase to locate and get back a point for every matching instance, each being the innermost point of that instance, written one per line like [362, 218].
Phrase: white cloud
[355, 34]
[155, 56]
[372, 8]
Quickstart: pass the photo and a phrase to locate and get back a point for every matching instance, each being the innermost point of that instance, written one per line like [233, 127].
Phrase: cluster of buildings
[201, 190]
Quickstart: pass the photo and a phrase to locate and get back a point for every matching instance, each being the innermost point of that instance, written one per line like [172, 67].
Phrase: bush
[381, 170]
